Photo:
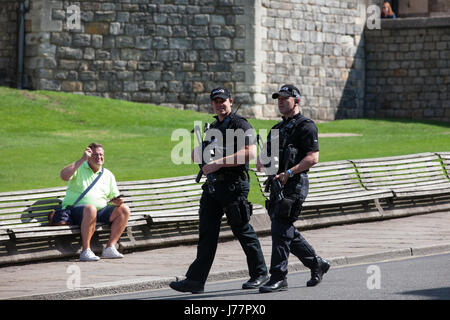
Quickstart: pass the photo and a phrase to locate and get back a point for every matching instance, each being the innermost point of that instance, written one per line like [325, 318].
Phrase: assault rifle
[275, 183]
[210, 179]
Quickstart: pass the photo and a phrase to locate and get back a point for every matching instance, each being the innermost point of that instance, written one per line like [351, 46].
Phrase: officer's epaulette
[234, 116]
[302, 119]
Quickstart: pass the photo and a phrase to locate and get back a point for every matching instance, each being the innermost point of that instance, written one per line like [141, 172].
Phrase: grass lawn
[42, 131]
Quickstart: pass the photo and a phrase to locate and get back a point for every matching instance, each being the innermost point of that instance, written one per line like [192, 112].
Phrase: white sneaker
[111, 253]
[88, 255]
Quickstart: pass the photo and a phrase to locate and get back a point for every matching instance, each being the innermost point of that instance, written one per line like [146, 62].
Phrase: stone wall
[423, 8]
[169, 52]
[173, 52]
[316, 45]
[408, 69]
[8, 42]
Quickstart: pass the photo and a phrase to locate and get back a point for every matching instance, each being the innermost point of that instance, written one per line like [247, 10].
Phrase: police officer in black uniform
[226, 193]
[298, 151]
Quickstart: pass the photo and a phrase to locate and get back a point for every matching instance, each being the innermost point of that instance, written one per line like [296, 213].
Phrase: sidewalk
[145, 270]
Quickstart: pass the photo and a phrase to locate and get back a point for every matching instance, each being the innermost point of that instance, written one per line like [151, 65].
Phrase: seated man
[93, 207]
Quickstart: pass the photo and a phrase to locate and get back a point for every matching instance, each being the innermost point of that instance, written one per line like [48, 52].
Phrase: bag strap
[88, 188]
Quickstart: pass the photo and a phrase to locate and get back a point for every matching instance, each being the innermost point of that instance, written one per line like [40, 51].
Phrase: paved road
[410, 278]
[152, 269]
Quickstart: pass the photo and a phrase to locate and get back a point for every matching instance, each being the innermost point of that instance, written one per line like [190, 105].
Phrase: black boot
[254, 283]
[318, 271]
[188, 286]
[274, 286]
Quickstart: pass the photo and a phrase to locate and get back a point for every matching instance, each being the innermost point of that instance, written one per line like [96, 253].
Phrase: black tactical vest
[287, 141]
[230, 122]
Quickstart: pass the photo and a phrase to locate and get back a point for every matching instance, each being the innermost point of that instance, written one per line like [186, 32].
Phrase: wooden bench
[407, 176]
[160, 209]
[334, 184]
[23, 214]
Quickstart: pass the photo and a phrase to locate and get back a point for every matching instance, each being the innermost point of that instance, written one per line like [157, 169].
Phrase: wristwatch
[290, 173]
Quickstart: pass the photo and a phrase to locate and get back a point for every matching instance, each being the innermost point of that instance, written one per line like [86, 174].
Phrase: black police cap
[220, 92]
[288, 90]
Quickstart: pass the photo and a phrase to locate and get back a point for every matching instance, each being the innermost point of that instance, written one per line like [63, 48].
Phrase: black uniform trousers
[285, 236]
[210, 214]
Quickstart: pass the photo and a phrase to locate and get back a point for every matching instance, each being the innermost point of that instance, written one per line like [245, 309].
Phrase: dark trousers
[285, 236]
[285, 239]
[210, 214]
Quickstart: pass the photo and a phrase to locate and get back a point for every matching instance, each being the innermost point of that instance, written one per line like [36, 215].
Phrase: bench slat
[34, 196]
[394, 158]
[30, 203]
[164, 201]
[42, 225]
[401, 175]
[166, 196]
[160, 180]
[32, 191]
[412, 162]
[400, 168]
[406, 183]
[161, 191]
[159, 186]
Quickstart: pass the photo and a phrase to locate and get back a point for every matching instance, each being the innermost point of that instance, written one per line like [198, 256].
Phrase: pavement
[152, 269]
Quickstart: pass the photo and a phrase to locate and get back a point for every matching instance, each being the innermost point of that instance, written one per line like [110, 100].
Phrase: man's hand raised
[87, 154]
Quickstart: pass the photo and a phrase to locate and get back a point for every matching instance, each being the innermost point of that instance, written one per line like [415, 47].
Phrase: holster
[290, 207]
[238, 212]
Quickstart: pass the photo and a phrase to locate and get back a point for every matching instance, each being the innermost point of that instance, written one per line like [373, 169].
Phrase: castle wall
[173, 52]
[408, 69]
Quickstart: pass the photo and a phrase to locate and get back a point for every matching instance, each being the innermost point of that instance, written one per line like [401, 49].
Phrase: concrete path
[151, 269]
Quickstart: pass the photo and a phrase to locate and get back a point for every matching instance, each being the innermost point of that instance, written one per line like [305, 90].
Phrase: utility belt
[229, 185]
[232, 176]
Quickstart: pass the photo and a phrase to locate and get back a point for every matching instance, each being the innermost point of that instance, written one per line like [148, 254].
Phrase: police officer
[230, 187]
[298, 151]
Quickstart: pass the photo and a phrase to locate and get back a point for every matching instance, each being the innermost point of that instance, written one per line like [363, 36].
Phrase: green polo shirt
[101, 193]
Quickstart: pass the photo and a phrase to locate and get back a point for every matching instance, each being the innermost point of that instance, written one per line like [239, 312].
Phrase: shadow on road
[435, 293]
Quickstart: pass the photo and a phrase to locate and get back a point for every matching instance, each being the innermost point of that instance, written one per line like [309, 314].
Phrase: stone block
[143, 42]
[180, 43]
[105, 16]
[71, 86]
[222, 43]
[115, 28]
[89, 54]
[130, 86]
[81, 40]
[100, 28]
[124, 42]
